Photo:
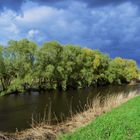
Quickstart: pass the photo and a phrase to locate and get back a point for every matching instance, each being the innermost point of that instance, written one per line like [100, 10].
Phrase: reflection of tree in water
[56, 106]
[66, 104]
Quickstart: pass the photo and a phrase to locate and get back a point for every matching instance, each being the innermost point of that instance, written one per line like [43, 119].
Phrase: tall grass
[42, 130]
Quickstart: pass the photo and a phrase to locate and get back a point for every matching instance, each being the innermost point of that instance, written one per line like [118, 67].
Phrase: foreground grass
[122, 123]
[44, 131]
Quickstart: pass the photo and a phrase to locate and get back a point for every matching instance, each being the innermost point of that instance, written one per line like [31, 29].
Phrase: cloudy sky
[112, 26]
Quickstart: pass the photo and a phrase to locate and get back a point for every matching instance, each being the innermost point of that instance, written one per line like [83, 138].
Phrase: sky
[112, 26]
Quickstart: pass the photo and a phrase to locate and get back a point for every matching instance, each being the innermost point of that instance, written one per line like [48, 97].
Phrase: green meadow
[122, 123]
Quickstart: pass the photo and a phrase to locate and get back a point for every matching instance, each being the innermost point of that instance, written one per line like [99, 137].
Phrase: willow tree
[122, 70]
[48, 57]
[24, 65]
[18, 63]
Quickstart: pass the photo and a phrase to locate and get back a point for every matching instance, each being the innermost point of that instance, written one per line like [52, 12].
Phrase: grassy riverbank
[122, 123]
[101, 126]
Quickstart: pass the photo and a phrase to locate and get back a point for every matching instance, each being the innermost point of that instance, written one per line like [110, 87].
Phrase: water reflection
[16, 110]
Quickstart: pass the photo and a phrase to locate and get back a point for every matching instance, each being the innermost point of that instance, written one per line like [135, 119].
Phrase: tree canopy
[24, 65]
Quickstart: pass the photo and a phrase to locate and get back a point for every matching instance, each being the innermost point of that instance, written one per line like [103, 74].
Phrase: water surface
[16, 111]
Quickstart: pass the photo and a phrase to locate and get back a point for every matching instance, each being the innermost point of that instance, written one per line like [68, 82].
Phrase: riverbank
[43, 131]
[122, 123]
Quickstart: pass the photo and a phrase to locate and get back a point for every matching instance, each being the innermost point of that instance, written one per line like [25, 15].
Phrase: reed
[43, 130]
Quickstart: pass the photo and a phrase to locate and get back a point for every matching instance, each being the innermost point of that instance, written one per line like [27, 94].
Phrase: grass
[122, 123]
[44, 131]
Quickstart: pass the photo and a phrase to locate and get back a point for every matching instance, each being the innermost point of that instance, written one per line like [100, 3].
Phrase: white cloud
[106, 28]
[32, 33]
[76, 24]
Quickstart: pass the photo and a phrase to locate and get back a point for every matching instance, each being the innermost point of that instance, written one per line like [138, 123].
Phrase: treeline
[24, 65]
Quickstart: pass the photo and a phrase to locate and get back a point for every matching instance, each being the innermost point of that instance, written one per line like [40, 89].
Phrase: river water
[17, 111]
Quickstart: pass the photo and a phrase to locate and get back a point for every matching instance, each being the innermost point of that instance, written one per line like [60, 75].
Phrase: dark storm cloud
[105, 2]
[16, 4]
[12, 4]
[112, 26]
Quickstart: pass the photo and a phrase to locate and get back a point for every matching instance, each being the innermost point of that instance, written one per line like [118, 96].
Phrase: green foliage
[56, 66]
[122, 123]
[122, 70]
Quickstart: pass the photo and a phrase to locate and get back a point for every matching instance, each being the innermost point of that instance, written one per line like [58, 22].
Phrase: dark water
[16, 111]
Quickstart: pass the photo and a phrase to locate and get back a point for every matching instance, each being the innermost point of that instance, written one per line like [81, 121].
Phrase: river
[17, 111]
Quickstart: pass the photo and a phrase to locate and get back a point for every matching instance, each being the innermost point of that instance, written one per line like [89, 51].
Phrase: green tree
[24, 65]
